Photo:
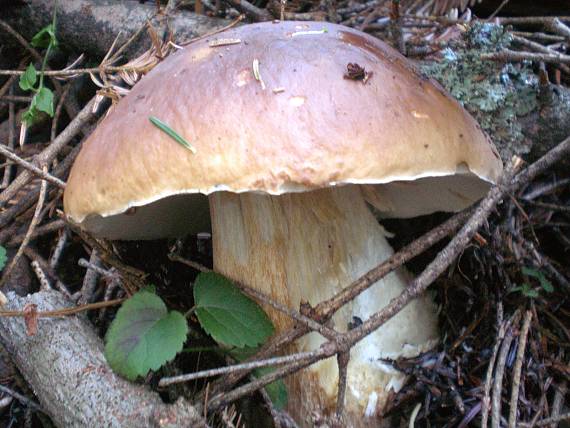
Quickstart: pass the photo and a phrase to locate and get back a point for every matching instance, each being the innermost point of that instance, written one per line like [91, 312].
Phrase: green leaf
[31, 114]
[276, 390]
[44, 101]
[171, 133]
[28, 79]
[144, 335]
[230, 317]
[45, 37]
[544, 283]
[3, 257]
[526, 290]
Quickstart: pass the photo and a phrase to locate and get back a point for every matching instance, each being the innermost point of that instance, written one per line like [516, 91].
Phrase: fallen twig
[508, 55]
[31, 167]
[51, 151]
[496, 397]
[546, 421]
[270, 362]
[27, 237]
[518, 369]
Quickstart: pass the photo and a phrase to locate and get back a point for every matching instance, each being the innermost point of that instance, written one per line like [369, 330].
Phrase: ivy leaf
[44, 101]
[3, 257]
[44, 37]
[230, 317]
[144, 335]
[28, 79]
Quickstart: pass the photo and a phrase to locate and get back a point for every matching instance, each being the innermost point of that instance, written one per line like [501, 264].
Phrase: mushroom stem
[305, 247]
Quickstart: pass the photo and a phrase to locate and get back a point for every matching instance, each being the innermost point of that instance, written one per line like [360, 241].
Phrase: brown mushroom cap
[303, 125]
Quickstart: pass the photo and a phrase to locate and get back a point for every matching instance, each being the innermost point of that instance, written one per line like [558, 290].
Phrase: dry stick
[509, 55]
[42, 277]
[31, 167]
[553, 207]
[499, 373]
[15, 99]
[531, 19]
[8, 85]
[39, 231]
[60, 245]
[64, 312]
[417, 286]
[538, 36]
[275, 416]
[30, 197]
[51, 151]
[57, 113]
[547, 421]
[518, 370]
[96, 268]
[45, 267]
[252, 11]
[11, 140]
[22, 399]
[557, 26]
[77, 71]
[497, 10]
[486, 400]
[33, 223]
[342, 360]
[90, 279]
[276, 361]
[539, 48]
[558, 402]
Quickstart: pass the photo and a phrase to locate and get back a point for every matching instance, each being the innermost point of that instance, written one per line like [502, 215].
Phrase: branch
[508, 55]
[92, 26]
[65, 365]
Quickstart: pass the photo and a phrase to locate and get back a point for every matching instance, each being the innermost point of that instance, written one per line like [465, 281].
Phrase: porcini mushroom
[297, 128]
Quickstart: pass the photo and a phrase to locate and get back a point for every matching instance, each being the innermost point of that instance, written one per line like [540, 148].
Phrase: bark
[65, 366]
[550, 123]
[91, 26]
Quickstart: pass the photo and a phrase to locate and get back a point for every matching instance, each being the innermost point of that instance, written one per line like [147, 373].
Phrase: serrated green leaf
[3, 257]
[230, 317]
[44, 101]
[28, 79]
[144, 335]
[44, 37]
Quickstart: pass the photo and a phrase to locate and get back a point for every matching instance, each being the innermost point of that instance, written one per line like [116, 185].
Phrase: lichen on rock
[495, 93]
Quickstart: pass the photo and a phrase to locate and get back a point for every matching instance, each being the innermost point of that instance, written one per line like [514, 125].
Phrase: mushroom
[298, 129]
